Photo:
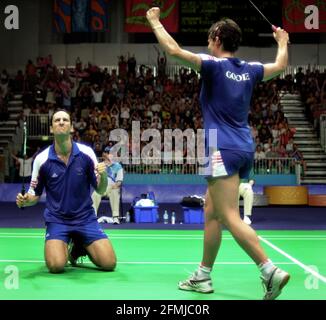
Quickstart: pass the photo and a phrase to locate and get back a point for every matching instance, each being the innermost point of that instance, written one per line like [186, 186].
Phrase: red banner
[135, 15]
[304, 15]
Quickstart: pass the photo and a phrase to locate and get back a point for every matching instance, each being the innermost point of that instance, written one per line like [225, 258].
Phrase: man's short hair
[107, 150]
[228, 32]
[60, 110]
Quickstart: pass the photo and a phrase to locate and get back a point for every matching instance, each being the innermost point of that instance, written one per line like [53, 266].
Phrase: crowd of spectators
[100, 101]
[312, 87]
[4, 90]
[273, 135]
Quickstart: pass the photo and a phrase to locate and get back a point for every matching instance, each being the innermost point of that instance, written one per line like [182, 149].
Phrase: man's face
[108, 157]
[61, 124]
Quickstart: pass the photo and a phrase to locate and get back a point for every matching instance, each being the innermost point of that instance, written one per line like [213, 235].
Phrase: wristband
[158, 27]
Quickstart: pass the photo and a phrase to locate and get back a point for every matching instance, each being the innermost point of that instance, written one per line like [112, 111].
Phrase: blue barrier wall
[167, 188]
[173, 179]
[164, 193]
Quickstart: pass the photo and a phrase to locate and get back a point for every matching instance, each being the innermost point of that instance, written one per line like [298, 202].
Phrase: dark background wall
[35, 37]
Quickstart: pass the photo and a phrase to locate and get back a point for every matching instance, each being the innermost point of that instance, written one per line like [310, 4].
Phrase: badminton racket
[23, 190]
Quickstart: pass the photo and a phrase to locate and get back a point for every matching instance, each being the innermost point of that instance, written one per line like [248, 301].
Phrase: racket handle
[23, 191]
[274, 28]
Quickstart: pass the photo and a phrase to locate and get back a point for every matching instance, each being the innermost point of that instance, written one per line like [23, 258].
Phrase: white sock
[203, 272]
[266, 268]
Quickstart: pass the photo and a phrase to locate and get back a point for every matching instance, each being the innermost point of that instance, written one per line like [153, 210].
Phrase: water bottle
[127, 217]
[165, 217]
[173, 218]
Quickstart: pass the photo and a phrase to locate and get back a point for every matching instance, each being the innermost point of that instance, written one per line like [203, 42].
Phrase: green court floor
[151, 262]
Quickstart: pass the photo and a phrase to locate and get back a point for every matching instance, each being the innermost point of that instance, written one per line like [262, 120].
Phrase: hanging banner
[99, 15]
[80, 15]
[62, 16]
[135, 15]
[304, 15]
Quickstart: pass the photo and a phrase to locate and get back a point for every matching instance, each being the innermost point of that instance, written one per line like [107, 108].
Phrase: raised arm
[271, 70]
[15, 157]
[168, 44]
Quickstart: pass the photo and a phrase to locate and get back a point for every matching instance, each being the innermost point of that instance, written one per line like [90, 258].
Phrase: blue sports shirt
[115, 173]
[67, 188]
[227, 86]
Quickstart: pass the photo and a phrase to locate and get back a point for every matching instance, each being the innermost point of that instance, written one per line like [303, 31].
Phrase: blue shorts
[87, 233]
[224, 162]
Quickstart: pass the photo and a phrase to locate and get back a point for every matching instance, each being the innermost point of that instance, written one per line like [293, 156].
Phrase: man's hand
[153, 15]
[21, 200]
[26, 200]
[102, 178]
[101, 168]
[117, 185]
[281, 36]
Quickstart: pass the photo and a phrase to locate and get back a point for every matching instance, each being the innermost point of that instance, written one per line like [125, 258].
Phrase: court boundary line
[296, 261]
[144, 236]
[172, 237]
[166, 235]
[189, 237]
[150, 262]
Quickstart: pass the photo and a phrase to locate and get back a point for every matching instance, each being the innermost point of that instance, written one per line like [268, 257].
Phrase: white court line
[165, 235]
[294, 239]
[122, 237]
[136, 237]
[164, 238]
[36, 237]
[151, 262]
[303, 266]
[121, 234]
[109, 231]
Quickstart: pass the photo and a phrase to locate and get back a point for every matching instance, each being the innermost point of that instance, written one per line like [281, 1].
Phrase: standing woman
[227, 86]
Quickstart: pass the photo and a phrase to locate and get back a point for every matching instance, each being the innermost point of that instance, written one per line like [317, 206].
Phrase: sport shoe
[195, 284]
[105, 219]
[116, 220]
[75, 251]
[274, 285]
[247, 220]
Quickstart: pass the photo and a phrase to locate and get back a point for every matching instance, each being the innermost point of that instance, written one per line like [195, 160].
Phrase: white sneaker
[116, 220]
[105, 219]
[195, 284]
[101, 220]
[274, 285]
[247, 220]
